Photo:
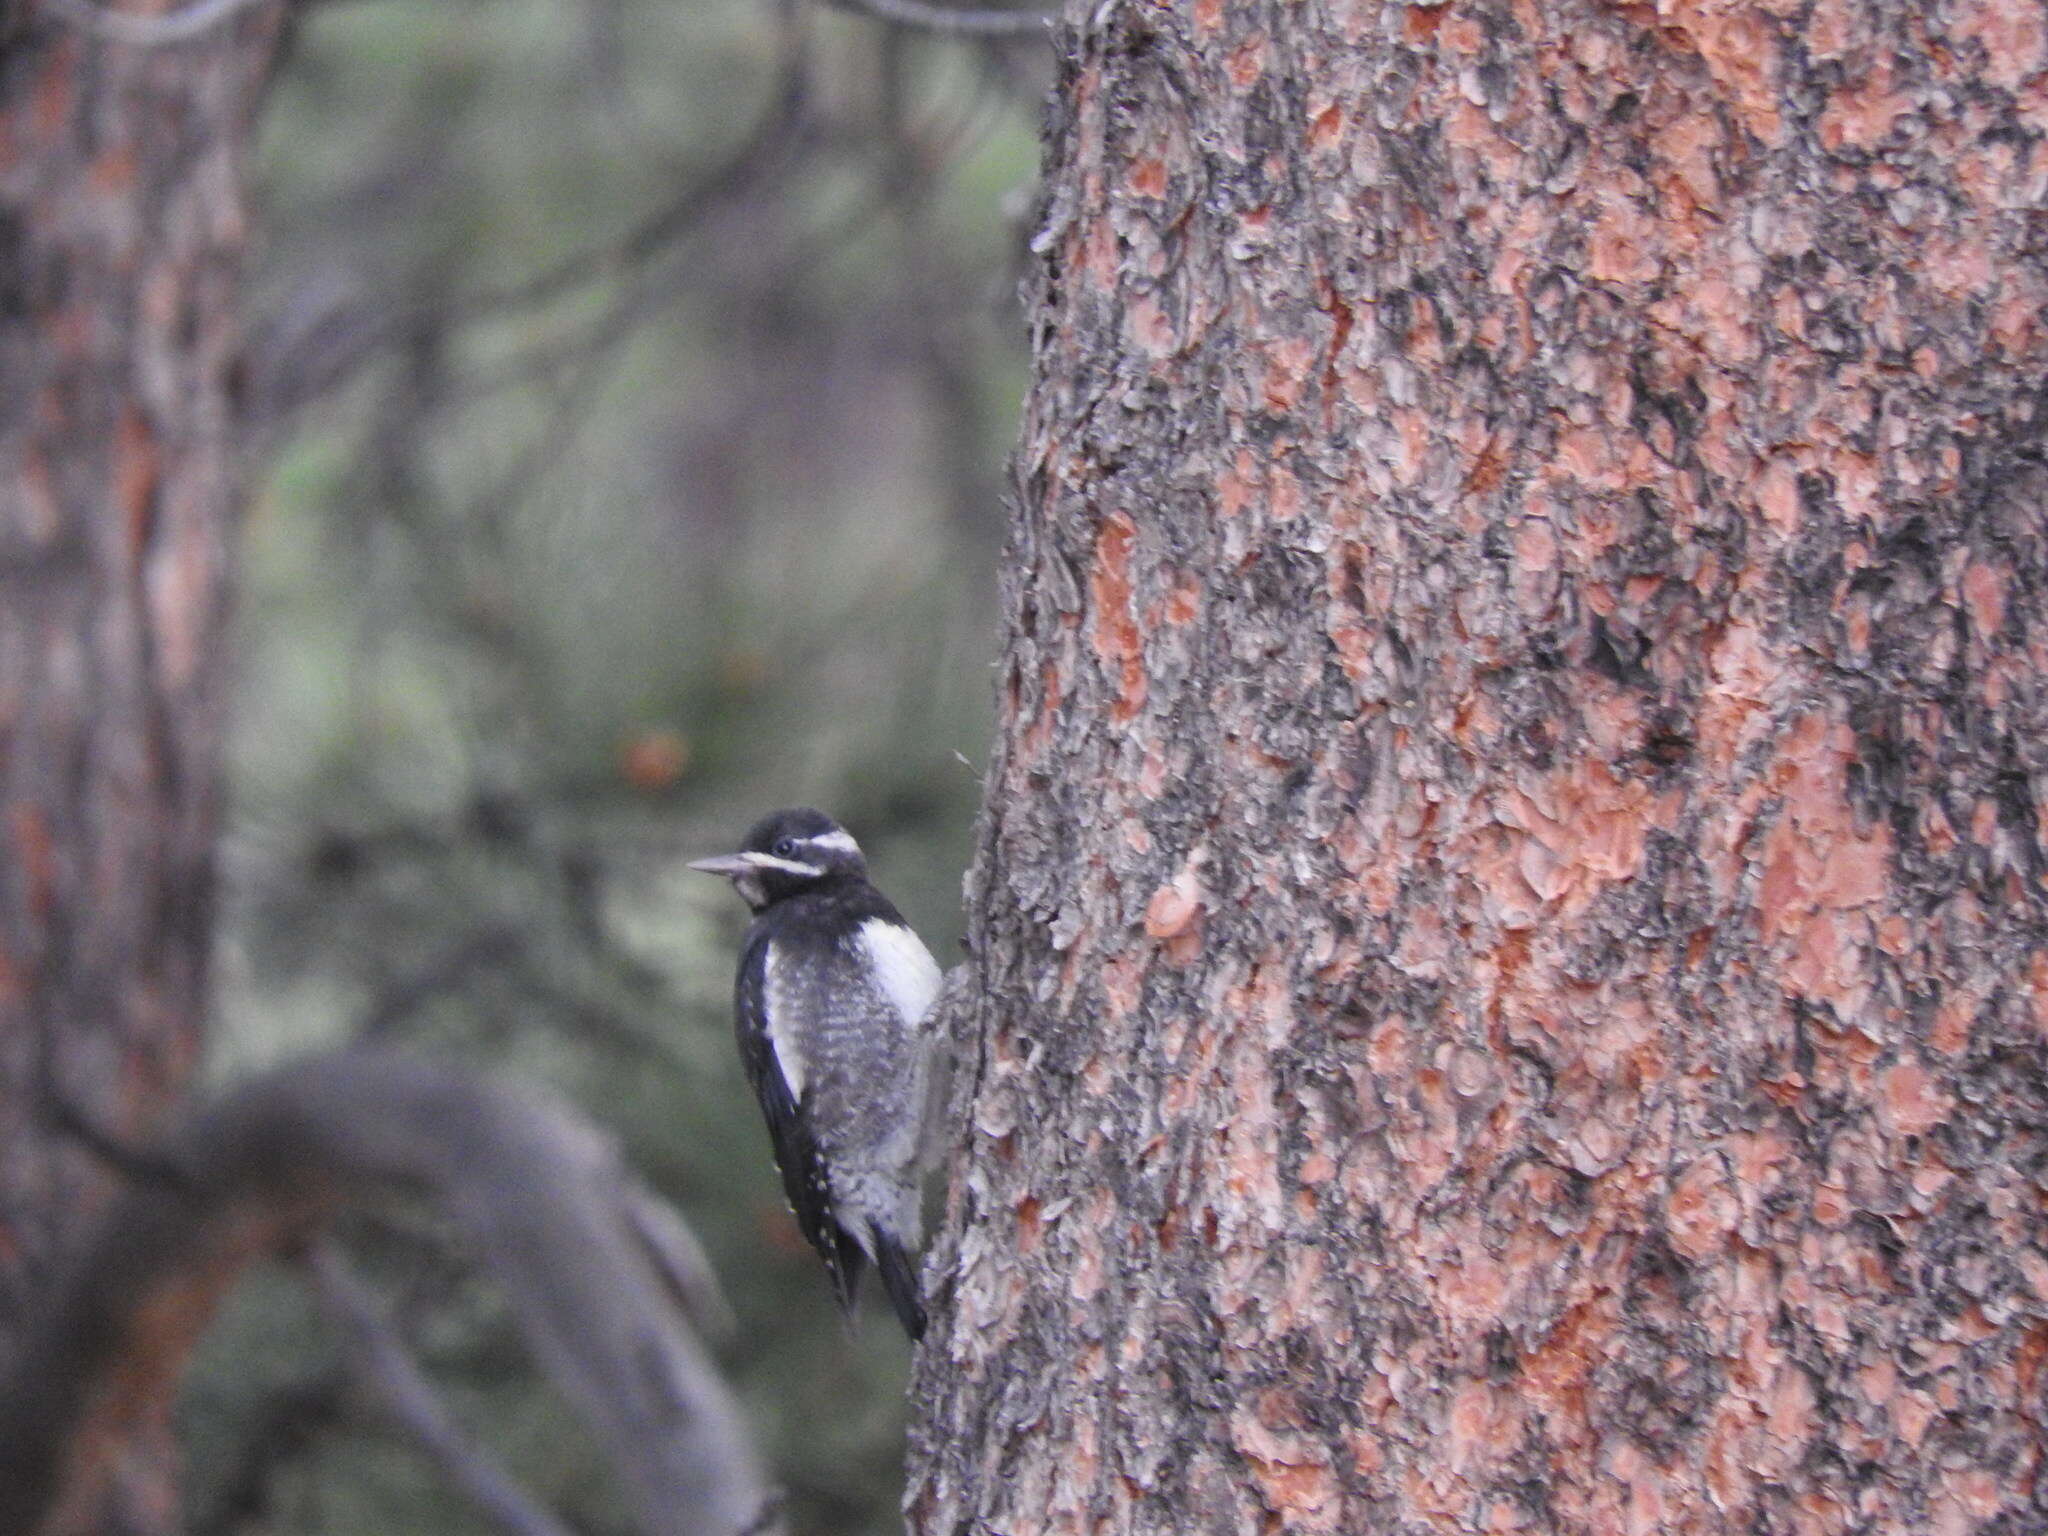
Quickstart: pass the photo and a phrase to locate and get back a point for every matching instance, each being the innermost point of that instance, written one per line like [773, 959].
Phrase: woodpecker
[830, 1007]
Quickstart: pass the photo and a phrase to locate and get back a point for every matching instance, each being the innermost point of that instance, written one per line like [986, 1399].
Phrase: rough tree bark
[1513, 959]
[120, 226]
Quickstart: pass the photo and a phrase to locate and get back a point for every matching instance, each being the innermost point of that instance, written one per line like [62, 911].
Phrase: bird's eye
[784, 847]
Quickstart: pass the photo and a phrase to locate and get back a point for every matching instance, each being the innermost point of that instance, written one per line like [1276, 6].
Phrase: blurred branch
[178, 26]
[527, 954]
[775, 132]
[673, 1248]
[378, 1358]
[402, 999]
[66, 1113]
[541, 1199]
[287, 1422]
[957, 21]
[323, 359]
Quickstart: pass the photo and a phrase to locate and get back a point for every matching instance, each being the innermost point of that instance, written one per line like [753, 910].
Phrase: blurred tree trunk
[1514, 959]
[121, 226]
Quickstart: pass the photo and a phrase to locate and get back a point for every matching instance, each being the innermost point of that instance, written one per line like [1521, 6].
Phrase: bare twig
[775, 139]
[179, 26]
[397, 1003]
[68, 1116]
[541, 1200]
[138, 1164]
[378, 1358]
[681, 1260]
[287, 1422]
[957, 21]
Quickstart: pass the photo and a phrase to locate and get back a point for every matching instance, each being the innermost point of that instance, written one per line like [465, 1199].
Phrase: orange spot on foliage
[653, 760]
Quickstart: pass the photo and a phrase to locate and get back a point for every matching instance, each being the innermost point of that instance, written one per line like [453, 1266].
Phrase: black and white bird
[832, 998]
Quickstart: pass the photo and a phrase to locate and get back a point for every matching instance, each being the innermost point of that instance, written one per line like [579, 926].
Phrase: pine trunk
[121, 224]
[1511, 945]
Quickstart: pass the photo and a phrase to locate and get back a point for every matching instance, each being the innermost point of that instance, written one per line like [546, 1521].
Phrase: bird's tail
[844, 1261]
[899, 1278]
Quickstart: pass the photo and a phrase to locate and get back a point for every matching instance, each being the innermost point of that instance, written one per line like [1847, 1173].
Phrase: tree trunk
[120, 227]
[1513, 958]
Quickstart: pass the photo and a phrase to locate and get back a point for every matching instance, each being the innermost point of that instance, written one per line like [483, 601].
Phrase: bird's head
[787, 852]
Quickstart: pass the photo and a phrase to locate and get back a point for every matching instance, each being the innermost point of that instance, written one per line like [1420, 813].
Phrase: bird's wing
[773, 1058]
[903, 969]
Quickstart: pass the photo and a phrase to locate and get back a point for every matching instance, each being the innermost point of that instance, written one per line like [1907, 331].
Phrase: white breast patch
[781, 1002]
[905, 969]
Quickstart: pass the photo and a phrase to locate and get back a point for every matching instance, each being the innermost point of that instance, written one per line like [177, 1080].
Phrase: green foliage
[541, 598]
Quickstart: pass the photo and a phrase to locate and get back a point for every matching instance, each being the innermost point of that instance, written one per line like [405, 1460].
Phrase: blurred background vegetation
[632, 385]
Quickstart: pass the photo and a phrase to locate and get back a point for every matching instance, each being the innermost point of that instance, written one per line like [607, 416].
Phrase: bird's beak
[733, 865]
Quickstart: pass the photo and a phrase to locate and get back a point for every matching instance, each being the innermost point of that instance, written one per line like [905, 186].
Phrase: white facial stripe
[781, 1001]
[903, 967]
[836, 841]
[787, 866]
